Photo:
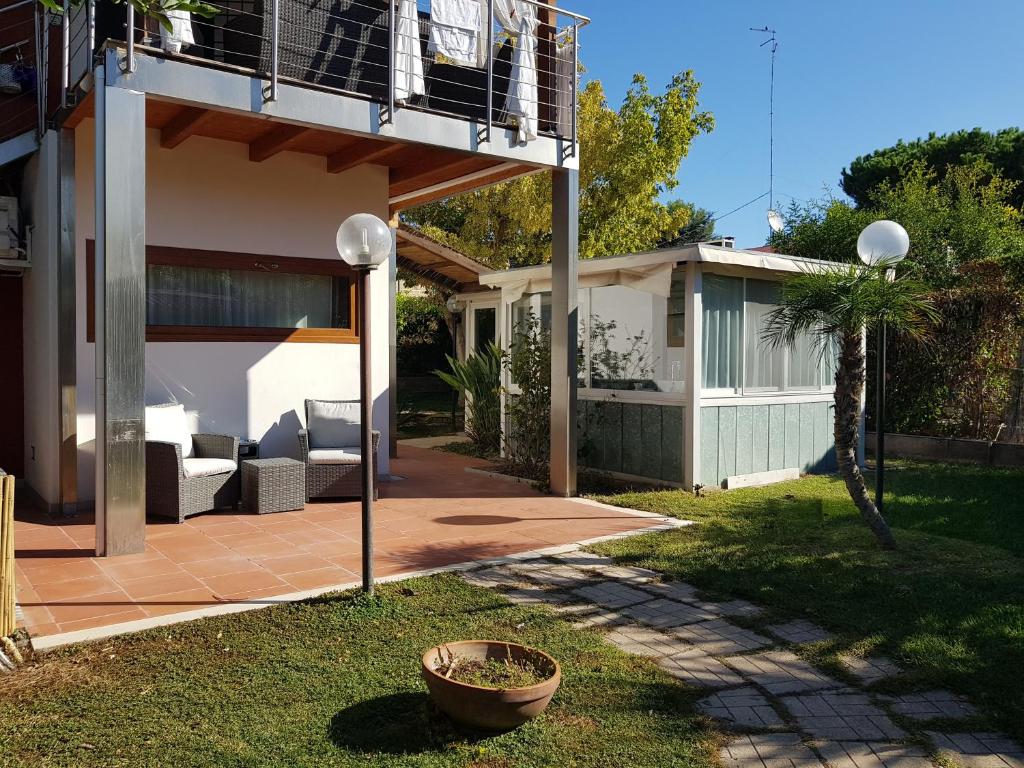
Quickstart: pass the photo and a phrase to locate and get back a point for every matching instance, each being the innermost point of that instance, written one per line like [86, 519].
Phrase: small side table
[273, 485]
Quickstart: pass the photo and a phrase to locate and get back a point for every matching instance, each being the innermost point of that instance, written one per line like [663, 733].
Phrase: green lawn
[948, 605]
[335, 682]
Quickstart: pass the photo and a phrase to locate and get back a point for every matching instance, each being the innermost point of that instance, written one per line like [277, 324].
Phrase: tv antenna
[774, 43]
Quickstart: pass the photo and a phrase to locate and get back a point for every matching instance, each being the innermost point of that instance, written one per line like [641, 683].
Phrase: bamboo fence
[6, 555]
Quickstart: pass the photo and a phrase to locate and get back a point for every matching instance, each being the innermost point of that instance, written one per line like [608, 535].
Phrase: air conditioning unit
[10, 246]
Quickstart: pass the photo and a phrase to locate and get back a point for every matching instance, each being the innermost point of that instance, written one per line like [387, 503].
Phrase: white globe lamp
[883, 243]
[363, 241]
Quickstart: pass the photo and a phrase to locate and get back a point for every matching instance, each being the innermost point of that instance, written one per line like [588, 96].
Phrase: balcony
[520, 84]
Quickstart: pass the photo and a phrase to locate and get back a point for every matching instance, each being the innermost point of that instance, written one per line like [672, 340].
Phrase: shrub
[478, 378]
[528, 403]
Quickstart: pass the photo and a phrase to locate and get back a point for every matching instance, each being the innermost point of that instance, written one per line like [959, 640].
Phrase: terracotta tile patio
[437, 514]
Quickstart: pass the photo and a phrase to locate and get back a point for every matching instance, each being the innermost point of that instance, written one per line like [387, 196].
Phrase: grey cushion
[207, 467]
[332, 424]
[347, 455]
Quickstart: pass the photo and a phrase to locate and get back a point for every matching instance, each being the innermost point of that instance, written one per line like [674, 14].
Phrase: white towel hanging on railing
[180, 35]
[520, 19]
[455, 30]
[408, 59]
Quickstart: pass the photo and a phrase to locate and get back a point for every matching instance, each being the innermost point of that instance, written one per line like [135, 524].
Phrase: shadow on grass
[397, 724]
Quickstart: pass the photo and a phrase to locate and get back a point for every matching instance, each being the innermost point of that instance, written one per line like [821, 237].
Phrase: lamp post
[882, 244]
[364, 243]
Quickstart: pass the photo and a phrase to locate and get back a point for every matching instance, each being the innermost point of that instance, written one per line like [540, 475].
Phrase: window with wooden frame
[197, 295]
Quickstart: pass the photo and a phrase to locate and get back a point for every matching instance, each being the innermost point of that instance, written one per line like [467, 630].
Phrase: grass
[948, 605]
[335, 682]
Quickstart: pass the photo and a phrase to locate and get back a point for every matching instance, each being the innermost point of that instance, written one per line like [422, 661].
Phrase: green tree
[1000, 153]
[629, 159]
[699, 228]
[838, 304]
[967, 244]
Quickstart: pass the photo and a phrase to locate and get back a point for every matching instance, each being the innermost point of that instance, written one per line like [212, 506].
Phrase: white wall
[206, 194]
[40, 208]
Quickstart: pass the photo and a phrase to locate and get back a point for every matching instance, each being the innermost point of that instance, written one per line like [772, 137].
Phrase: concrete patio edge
[50, 642]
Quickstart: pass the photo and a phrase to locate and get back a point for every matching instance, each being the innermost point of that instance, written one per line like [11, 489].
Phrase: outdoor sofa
[330, 449]
[187, 473]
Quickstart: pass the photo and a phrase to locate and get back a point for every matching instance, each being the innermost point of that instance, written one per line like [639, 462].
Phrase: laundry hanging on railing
[408, 59]
[519, 18]
[565, 64]
[455, 30]
[180, 35]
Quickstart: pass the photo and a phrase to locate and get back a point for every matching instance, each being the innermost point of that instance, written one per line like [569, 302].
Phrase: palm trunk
[849, 386]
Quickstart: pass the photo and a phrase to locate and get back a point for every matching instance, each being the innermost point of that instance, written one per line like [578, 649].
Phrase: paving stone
[931, 705]
[562, 576]
[627, 574]
[721, 638]
[768, 750]
[874, 754]
[799, 631]
[599, 618]
[611, 594]
[673, 590]
[781, 672]
[698, 668]
[644, 641]
[745, 707]
[492, 578]
[841, 716]
[584, 560]
[536, 596]
[667, 614]
[524, 567]
[979, 750]
[870, 669]
[735, 608]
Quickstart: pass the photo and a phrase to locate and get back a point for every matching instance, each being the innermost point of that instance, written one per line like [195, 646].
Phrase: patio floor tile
[744, 707]
[439, 515]
[931, 705]
[863, 754]
[698, 668]
[768, 750]
[841, 716]
[780, 672]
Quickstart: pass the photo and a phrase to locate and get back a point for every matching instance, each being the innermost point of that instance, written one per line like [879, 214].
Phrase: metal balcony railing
[364, 48]
[22, 89]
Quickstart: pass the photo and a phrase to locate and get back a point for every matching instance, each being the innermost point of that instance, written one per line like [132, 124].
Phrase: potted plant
[490, 684]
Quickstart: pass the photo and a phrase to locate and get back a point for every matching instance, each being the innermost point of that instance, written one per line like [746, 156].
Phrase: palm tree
[838, 304]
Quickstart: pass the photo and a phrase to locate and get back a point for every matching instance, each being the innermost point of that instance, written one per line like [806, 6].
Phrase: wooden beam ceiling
[184, 124]
[471, 181]
[435, 169]
[362, 152]
[276, 140]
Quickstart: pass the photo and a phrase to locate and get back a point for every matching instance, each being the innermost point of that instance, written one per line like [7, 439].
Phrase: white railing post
[129, 61]
[575, 82]
[65, 56]
[490, 70]
[392, 45]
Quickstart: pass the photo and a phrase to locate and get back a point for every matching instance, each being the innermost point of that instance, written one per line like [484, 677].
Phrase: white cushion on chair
[332, 424]
[335, 455]
[207, 467]
[167, 424]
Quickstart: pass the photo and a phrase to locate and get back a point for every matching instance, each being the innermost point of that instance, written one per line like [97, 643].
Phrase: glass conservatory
[676, 383]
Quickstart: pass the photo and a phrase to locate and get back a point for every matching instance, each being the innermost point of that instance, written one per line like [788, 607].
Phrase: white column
[694, 374]
[564, 256]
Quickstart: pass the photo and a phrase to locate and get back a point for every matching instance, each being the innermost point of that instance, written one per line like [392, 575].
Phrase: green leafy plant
[156, 9]
[527, 441]
[478, 378]
[838, 304]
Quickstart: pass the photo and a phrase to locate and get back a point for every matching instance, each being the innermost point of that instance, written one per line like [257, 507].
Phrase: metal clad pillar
[66, 360]
[694, 333]
[564, 324]
[393, 345]
[120, 316]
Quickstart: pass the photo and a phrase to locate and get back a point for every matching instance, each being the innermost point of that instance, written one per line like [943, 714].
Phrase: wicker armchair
[341, 477]
[171, 492]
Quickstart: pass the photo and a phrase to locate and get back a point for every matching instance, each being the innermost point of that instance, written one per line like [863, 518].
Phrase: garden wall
[950, 449]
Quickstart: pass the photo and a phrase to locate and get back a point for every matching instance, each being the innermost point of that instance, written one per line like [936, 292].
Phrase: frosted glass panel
[765, 365]
[236, 298]
[722, 299]
[626, 336]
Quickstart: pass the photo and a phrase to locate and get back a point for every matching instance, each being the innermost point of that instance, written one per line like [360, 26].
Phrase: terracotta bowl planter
[490, 708]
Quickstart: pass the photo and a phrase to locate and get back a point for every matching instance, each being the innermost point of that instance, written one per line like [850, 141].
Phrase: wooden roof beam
[361, 153]
[184, 124]
[434, 170]
[276, 140]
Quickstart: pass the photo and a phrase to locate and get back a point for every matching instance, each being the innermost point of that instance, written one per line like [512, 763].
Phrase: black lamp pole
[366, 422]
[880, 418]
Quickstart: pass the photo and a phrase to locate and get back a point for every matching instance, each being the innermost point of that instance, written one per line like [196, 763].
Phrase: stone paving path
[785, 713]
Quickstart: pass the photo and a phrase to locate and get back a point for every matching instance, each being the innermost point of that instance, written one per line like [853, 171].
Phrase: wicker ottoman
[273, 485]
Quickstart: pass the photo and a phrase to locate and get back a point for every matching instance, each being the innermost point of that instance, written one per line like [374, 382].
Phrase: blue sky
[850, 77]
